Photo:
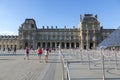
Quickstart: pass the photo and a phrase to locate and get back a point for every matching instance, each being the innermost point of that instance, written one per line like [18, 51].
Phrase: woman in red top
[39, 52]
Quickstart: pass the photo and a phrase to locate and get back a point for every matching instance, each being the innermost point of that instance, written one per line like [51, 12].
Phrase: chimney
[80, 17]
[56, 27]
[43, 27]
[64, 27]
[47, 27]
[73, 27]
[51, 27]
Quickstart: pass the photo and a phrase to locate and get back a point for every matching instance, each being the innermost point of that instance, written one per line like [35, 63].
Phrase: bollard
[89, 60]
[116, 60]
[81, 57]
[67, 71]
[62, 63]
[103, 68]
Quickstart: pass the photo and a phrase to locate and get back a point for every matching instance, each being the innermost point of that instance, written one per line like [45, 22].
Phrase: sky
[56, 13]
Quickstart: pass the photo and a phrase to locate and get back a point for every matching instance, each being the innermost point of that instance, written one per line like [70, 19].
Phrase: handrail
[64, 67]
[68, 71]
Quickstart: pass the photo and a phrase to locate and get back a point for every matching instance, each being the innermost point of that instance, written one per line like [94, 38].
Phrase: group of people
[39, 52]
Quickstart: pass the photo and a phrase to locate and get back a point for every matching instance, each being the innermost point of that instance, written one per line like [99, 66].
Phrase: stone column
[87, 46]
[74, 45]
[50, 44]
[70, 45]
[81, 46]
[2, 45]
[45, 44]
[55, 44]
[34, 45]
[60, 44]
[94, 45]
[82, 40]
[65, 45]
[87, 39]
[42, 44]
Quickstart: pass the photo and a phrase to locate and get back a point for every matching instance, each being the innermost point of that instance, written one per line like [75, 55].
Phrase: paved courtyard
[14, 67]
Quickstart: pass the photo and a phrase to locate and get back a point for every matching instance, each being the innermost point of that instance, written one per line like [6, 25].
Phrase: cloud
[8, 33]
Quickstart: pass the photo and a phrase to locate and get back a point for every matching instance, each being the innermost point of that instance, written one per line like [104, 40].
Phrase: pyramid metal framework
[113, 40]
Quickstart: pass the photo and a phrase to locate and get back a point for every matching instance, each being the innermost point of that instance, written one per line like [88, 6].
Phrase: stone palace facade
[87, 35]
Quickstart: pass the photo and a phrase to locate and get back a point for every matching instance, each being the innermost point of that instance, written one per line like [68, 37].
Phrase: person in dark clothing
[27, 53]
[14, 51]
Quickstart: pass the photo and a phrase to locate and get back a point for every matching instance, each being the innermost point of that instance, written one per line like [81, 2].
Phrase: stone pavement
[14, 67]
[80, 70]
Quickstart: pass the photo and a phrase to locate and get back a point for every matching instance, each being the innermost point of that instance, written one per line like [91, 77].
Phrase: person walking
[46, 54]
[14, 51]
[39, 52]
[27, 53]
[3, 49]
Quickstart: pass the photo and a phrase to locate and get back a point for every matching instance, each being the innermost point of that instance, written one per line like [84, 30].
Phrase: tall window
[32, 37]
[91, 36]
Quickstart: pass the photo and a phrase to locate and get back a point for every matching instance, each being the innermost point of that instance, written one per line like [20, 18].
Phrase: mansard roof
[89, 18]
[29, 23]
[30, 19]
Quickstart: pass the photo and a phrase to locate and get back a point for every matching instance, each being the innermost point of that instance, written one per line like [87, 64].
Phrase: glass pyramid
[112, 40]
